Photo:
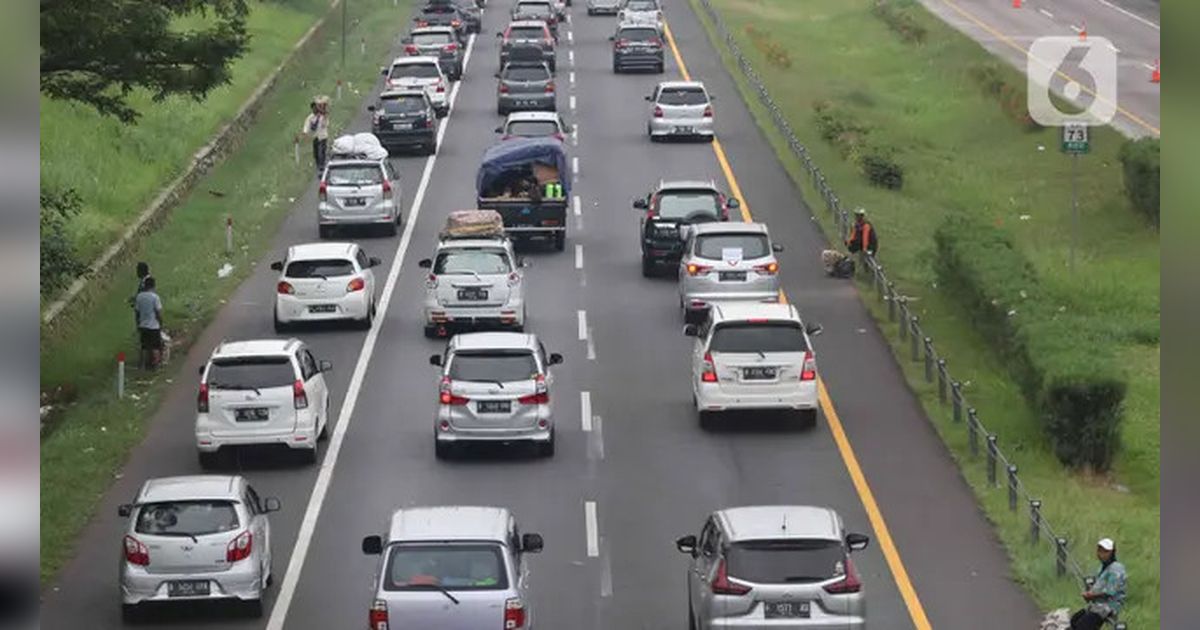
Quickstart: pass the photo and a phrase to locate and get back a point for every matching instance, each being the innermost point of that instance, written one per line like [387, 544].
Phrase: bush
[60, 263]
[776, 54]
[1013, 97]
[838, 127]
[1064, 366]
[898, 15]
[1140, 159]
[882, 171]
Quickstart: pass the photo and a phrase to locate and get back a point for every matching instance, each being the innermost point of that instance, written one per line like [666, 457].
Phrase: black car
[443, 16]
[668, 210]
[470, 12]
[405, 118]
[637, 47]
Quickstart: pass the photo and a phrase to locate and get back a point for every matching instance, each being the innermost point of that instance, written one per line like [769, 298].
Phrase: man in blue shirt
[148, 308]
[1107, 594]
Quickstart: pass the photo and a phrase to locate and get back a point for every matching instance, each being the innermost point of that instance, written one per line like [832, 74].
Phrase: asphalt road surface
[1132, 26]
[639, 457]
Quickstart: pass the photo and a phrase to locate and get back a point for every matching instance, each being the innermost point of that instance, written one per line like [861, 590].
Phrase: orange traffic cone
[1083, 32]
[1156, 74]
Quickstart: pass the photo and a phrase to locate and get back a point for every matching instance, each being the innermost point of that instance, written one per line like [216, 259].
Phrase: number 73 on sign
[1075, 138]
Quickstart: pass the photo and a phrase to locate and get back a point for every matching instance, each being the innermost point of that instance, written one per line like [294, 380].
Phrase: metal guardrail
[1000, 468]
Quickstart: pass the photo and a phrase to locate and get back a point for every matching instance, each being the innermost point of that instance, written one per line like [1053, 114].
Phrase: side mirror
[776, 247]
[374, 262]
[531, 543]
[497, 75]
[271, 504]
[370, 108]
[690, 330]
[498, 129]
[857, 542]
[124, 510]
[566, 128]
[555, 358]
[612, 38]
[649, 98]
[640, 204]
[425, 263]
[325, 366]
[405, 40]
[277, 265]
[733, 204]
[499, 34]
[372, 545]
[201, 370]
[686, 544]
[813, 329]
[383, 70]
[435, 359]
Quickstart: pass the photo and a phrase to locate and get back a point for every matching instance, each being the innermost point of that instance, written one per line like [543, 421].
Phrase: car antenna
[784, 526]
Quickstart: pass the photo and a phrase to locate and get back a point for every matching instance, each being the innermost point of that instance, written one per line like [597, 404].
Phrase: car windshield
[532, 128]
[480, 261]
[186, 518]
[786, 561]
[680, 204]
[431, 39]
[714, 246]
[526, 73]
[526, 32]
[250, 373]
[638, 34]
[779, 336]
[403, 105]
[319, 268]
[682, 96]
[415, 71]
[454, 567]
[354, 175]
[504, 366]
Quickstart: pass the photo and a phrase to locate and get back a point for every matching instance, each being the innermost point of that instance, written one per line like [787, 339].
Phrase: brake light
[770, 268]
[431, 281]
[136, 552]
[654, 41]
[658, 112]
[378, 617]
[456, 23]
[239, 548]
[697, 270]
[621, 43]
[535, 399]
[514, 614]
[708, 111]
[503, 89]
[387, 189]
[709, 374]
[299, 396]
[447, 398]
[202, 399]
[450, 47]
[513, 279]
[284, 288]
[422, 23]
[356, 284]
[441, 87]
[809, 371]
[558, 136]
[550, 87]
[722, 586]
[412, 50]
[849, 582]
[323, 191]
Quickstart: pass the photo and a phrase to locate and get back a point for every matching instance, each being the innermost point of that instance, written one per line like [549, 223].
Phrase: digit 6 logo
[1085, 72]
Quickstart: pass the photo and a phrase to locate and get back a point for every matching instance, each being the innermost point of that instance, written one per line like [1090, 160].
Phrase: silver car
[495, 387]
[641, 11]
[774, 567]
[607, 7]
[421, 72]
[727, 262]
[358, 192]
[452, 568]
[437, 41]
[473, 282]
[681, 109]
[200, 537]
[750, 357]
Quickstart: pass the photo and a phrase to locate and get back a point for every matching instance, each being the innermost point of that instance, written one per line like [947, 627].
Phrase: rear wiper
[803, 578]
[235, 387]
[179, 535]
[439, 588]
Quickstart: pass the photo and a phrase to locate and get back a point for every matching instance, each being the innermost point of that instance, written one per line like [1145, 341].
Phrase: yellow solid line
[884, 537]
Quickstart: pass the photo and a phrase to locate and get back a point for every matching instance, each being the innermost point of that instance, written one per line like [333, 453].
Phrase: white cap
[1106, 544]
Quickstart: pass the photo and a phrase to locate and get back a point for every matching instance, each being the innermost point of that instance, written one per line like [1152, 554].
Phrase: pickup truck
[512, 179]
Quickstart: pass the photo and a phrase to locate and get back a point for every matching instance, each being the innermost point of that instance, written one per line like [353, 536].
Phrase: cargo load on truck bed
[473, 224]
[525, 180]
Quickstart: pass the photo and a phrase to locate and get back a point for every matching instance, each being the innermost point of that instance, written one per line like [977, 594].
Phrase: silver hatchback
[200, 537]
[681, 109]
[774, 567]
[495, 387]
[727, 262]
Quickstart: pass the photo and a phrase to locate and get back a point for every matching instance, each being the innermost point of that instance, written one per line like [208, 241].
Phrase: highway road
[629, 445]
[1132, 26]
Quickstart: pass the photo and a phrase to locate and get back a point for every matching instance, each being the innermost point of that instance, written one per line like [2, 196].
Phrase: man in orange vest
[862, 236]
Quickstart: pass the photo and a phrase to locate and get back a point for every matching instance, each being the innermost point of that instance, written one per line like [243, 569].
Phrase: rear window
[786, 561]
[713, 246]
[440, 9]
[765, 337]
[457, 567]
[638, 34]
[526, 73]
[641, 5]
[682, 96]
[430, 39]
[403, 105]
[415, 71]
[468, 260]
[319, 268]
[251, 373]
[354, 175]
[532, 128]
[493, 366]
[186, 518]
[680, 204]
[539, 10]
[527, 32]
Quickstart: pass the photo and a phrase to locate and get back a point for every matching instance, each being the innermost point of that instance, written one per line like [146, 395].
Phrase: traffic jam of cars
[208, 537]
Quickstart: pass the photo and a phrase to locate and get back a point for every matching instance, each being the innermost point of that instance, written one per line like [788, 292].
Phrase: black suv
[637, 47]
[668, 209]
[405, 118]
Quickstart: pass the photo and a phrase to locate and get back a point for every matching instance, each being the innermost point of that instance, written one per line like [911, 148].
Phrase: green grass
[96, 431]
[118, 169]
[960, 151]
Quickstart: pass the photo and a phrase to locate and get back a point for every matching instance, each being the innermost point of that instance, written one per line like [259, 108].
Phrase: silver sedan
[681, 109]
[727, 262]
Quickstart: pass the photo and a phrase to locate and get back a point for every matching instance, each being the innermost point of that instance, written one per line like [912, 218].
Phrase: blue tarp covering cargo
[507, 158]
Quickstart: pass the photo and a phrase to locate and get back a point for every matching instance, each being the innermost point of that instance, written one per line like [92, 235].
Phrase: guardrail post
[903, 317]
[1060, 556]
[941, 372]
[1035, 521]
[878, 278]
[928, 359]
[1012, 487]
[973, 431]
[913, 334]
[956, 400]
[991, 459]
[1120, 625]
[891, 295]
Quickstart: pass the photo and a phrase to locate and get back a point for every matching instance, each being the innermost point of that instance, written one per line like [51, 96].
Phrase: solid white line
[291, 576]
[576, 204]
[575, 166]
[1129, 14]
[1046, 13]
[585, 410]
[578, 256]
[572, 102]
[583, 329]
[593, 537]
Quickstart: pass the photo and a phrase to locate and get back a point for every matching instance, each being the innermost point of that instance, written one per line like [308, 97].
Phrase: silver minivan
[452, 568]
[358, 192]
[727, 262]
[473, 283]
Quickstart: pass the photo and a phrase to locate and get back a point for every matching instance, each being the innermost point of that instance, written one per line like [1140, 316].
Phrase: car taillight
[299, 396]
[284, 288]
[514, 614]
[709, 374]
[426, 123]
[431, 281]
[136, 552]
[697, 270]
[849, 582]
[535, 399]
[770, 268]
[708, 111]
[513, 279]
[447, 398]
[621, 43]
[378, 617]
[239, 548]
[202, 399]
[323, 191]
[722, 586]
[558, 136]
[387, 189]
[412, 50]
[450, 47]
[456, 23]
[809, 371]
[503, 89]
[441, 87]
[658, 112]
[549, 87]
[357, 284]
[654, 41]
[422, 23]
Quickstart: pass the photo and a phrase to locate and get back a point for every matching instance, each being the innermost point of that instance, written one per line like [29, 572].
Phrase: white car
[323, 282]
[474, 283]
[641, 12]
[261, 392]
[423, 72]
[751, 356]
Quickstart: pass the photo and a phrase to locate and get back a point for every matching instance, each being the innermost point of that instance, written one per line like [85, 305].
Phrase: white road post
[120, 375]
[229, 235]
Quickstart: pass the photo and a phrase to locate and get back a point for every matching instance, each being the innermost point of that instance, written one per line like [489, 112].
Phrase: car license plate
[758, 373]
[187, 588]
[355, 201]
[401, 125]
[472, 293]
[684, 130]
[732, 276]
[777, 610]
[252, 414]
[322, 308]
[494, 406]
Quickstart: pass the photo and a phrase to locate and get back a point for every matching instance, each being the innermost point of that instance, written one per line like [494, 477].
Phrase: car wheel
[560, 240]
[431, 332]
[709, 138]
[691, 615]
[430, 148]
[325, 231]
[280, 327]
[591, 12]
[501, 111]
[209, 461]
[707, 419]
[324, 434]
[389, 229]
[254, 608]
[808, 418]
[442, 450]
[312, 455]
[659, 69]
[647, 267]
[131, 613]
[616, 68]
[546, 449]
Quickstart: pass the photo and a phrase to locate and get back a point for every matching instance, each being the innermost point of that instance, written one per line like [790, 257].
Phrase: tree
[97, 51]
[60, 264]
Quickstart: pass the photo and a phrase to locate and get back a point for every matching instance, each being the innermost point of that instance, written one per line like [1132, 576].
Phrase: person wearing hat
[862, 235]
[1106, 595]
[316, 125]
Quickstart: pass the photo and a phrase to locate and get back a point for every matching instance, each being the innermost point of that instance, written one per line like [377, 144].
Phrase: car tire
[431, 332]
[591, 12]
[553, 67]
[442, 450]
[131, 613]
[560, 240]
[254, 608]
[389, 230]
[691, 615]
[616, 68]
[324, 434]
[280, 327]
[707, 419]
[709, 138]
[312, 455]
[209, 461]
[660, 68]
[366, 322]
[546, 449]
[647, 267]
[501, 111]
[325, 231]
[430, 148]
[808, 418]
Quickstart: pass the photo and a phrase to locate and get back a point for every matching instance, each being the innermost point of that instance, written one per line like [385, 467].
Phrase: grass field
[960, 151]
[95, 432]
